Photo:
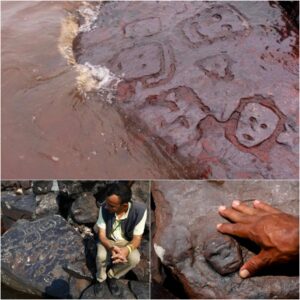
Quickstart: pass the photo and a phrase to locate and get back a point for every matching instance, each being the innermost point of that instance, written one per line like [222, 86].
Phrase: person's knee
[101, 254]
[134, 258]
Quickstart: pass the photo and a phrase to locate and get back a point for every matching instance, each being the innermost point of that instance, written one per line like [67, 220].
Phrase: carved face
[256, 124]
[223, 254]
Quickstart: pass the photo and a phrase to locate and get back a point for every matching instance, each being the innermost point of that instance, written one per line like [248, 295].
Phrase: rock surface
[42, 187]
[123, 285]
[33, 256]
[186, 215]
[204, 82]
[84, 209]
[16, 207]
[46, 204]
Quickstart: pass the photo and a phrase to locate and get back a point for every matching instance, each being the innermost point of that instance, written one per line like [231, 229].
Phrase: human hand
[276, 232]
[119, 255]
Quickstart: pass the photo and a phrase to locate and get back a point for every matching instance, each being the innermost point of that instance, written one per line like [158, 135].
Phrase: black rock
[42, 187]
[46, 204]
[84, 209]
[125, 292]
[17, 207]
[141, 290]
[33, 255]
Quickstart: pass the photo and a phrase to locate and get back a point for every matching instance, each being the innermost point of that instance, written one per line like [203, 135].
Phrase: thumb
[254, 264]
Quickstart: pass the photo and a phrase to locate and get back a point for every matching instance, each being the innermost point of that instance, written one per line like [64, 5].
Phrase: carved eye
[217, 17]
[263, 126]
[252, 119]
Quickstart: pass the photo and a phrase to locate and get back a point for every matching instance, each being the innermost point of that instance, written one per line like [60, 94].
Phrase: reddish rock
[183, 63]
[186, 215]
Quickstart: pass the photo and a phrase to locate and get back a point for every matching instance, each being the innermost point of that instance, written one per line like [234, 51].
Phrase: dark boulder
[34, 254]
[17, 207]
[141, 290]
[47, 204]
[123, 285]
[41, 187]
[70, 187]
[84, 209]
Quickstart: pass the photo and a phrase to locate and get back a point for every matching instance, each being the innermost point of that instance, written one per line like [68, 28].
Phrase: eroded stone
[223, 253]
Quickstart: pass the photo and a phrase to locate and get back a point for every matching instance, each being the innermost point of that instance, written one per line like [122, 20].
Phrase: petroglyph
[256, 124]
[184, 62]
[218, 22]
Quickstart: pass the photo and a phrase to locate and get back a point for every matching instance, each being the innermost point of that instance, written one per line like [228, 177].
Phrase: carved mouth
[248, 137]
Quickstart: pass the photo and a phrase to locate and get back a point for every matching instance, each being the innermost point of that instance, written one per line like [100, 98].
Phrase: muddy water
[48, 129]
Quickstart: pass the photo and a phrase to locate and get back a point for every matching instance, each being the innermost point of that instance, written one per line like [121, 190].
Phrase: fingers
[254, 264]
[265, 207]
[243, 208]
[233, 215]
[239, 230]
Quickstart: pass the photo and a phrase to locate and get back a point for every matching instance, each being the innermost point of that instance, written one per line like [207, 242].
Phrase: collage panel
[150, 90]
[75, 239]
[192, 259]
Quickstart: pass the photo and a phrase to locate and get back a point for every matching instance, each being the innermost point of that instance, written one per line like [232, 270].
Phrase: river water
[49, 130]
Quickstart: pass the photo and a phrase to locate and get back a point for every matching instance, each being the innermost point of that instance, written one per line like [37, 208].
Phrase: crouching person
[121, 225]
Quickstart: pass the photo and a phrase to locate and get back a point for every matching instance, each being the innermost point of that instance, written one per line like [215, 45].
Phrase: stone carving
[256, 124]
[142, 28]
[216, 52]
[217, 66]
[36, 256]
[214, 23]
[223, 253]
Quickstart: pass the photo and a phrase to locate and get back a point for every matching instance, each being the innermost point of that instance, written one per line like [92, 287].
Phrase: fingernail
[222, 207]
[236, 203]
[244, 273]
[219, 225]
[256, 202]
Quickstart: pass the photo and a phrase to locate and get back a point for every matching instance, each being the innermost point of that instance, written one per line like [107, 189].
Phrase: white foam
[90, 14]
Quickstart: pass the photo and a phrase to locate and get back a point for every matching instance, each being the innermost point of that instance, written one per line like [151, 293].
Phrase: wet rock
[84, 209]
[179, 66]
[46, 204]
[140, 289]
[125, 292]
[186, 215]
[41, 187]
[33, 255]
[16, 207]
[223, 253]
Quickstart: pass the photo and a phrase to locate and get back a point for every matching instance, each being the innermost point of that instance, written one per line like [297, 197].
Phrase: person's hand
[119, 255]
[276, 232]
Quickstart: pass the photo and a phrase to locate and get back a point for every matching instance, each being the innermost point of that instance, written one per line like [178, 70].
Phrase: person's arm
[123, 252]
[104, 240]
[276, 232]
